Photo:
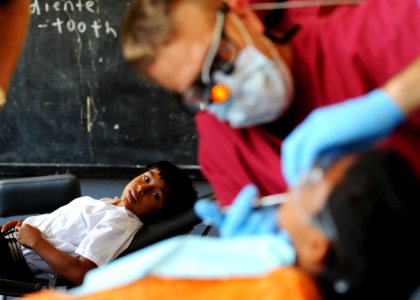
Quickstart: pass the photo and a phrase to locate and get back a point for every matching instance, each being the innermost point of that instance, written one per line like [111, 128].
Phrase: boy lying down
[87, 233]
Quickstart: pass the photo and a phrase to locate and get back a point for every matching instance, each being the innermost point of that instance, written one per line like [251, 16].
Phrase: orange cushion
[285, 283]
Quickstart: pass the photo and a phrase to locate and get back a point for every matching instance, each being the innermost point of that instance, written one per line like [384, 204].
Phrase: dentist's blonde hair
[149, 24]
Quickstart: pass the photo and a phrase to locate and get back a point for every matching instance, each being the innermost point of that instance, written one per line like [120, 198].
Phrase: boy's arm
[71, 268]
[10, 224]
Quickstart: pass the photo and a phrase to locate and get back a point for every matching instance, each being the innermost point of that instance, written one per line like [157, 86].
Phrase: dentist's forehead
[178, 63]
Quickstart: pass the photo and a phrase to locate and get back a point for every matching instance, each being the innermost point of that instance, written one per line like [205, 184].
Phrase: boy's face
[298, 216]
[145, 194]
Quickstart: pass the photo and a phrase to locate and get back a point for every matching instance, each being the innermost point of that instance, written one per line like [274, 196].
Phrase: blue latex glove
[344, 127]
[241, 219]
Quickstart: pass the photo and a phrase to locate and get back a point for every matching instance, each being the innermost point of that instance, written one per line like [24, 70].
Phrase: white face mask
[261, 88]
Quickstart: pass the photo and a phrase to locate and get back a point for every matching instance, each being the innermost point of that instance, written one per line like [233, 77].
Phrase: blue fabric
[194, 257]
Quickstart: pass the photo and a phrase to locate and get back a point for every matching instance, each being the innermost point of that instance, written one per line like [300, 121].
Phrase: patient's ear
[313, 252]
[244, 11]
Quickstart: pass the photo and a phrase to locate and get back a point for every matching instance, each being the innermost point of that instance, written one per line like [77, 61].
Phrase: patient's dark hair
[376, 209]
[180, 190]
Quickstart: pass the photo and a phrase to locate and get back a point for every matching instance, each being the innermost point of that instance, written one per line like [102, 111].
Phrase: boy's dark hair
[181, 194]
[376, 209]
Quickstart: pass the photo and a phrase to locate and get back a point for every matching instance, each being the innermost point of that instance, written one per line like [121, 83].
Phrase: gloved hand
[241, 219]
[344, 127]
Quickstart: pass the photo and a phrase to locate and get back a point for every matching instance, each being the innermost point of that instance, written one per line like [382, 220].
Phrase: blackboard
[75, 105]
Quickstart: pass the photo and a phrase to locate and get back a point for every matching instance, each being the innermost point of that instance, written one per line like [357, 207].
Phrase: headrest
[36, 195]
[173, 226]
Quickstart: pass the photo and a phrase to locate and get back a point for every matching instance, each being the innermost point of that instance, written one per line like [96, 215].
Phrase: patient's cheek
[285, 217]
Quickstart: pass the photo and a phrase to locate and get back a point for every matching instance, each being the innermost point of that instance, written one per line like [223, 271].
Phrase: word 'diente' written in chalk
[49, 16]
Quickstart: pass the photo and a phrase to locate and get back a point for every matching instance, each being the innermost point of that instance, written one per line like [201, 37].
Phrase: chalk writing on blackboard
[98, 26]
[75, 105]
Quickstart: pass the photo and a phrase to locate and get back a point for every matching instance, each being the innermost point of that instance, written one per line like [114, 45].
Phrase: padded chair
[30, 196]
[36, 195]
[42, 194]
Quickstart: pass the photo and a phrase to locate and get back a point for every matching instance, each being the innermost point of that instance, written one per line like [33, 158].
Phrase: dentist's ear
[243, 10]
[14, 24]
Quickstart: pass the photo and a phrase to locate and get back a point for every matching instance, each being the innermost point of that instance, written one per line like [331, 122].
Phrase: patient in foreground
[353, 224]
[87, 233]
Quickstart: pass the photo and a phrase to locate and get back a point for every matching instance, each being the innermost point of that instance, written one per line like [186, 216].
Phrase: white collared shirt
[94, 229]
